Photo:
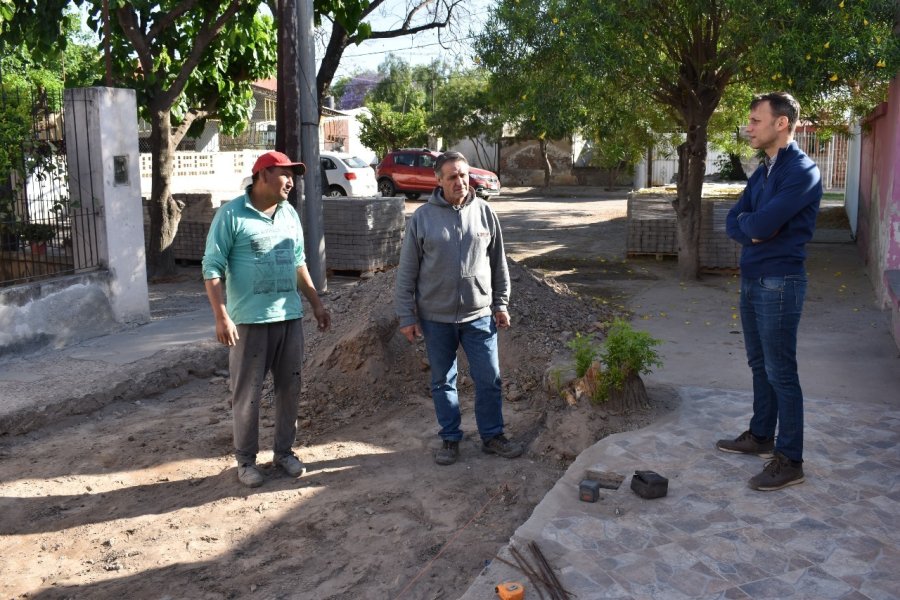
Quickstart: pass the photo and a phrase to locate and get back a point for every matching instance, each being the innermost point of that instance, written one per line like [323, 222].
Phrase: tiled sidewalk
[835, 536]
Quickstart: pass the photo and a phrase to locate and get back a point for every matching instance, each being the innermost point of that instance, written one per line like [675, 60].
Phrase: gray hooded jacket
[452, 264]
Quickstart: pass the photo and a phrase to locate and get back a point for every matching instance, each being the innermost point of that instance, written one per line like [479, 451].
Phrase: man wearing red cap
[255, 244]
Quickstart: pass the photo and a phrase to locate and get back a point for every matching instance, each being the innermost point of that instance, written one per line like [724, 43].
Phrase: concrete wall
[216, 173]
[878, 227]
[103, 169]
[521, 163]
[480, 153]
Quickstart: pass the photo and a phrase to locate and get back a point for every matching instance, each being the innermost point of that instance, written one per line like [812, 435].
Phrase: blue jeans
[479, 341]
[770, 315]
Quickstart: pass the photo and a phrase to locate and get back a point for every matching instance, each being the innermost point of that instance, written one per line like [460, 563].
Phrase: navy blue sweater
[779, 210]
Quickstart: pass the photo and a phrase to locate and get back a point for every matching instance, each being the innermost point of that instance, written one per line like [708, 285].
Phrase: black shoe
[448, 453]
[778, 473]
[747, 443]
[502, 447]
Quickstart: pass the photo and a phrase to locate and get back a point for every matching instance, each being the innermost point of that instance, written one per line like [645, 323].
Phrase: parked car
[410, 171]
[347, 175]
[342, 175]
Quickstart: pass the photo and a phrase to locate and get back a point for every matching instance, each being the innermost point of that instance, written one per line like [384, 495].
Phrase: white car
[347, 175]
[344, 175]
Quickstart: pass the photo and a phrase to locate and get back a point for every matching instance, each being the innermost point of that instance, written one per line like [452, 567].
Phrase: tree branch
[405, 29]
[129, 23]
[201, 42]
[192, 115]
[337, 43]
[169, 18]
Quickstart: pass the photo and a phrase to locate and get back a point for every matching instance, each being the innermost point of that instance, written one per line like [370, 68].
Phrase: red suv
[410, 171]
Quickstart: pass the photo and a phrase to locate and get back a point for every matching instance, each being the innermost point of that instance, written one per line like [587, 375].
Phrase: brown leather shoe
[746, 443]
[778, 473]
[448, 453]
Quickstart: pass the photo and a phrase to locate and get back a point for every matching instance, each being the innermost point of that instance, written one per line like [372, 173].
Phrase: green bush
[625, 352]
[585, 352]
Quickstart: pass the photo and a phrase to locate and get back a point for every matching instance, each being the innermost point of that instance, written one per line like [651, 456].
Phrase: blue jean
[479, 341]
[770, 315]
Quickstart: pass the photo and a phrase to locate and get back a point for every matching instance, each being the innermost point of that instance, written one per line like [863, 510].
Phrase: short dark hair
[783, 105]
[448, 157]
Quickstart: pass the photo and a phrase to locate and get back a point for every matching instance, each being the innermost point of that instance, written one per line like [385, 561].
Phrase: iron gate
[43, 233]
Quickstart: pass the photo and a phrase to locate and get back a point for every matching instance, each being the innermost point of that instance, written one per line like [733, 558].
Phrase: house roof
[267, 84]
[331, 112]
[271, 85]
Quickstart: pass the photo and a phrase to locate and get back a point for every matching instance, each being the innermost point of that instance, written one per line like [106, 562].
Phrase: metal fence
[43, 232]
[829, 154]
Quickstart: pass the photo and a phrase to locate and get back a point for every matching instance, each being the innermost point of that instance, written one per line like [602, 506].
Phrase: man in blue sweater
[453, 288]
[773, 220]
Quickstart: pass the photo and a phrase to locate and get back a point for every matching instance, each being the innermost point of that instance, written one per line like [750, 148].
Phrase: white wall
[218, 173]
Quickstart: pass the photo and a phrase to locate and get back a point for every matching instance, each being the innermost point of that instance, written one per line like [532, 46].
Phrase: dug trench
[140, 498]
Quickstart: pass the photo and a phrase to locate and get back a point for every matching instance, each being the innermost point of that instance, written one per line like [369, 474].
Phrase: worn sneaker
[746, 443]
[503, 447]
[778, 473]
[448, 453]
[249, 475]
[291, 465]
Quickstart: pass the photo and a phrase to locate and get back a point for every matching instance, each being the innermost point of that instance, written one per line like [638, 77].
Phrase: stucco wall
[879, 195]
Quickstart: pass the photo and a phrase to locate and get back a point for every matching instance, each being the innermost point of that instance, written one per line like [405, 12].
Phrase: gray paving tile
[836, 536]
[803, 584]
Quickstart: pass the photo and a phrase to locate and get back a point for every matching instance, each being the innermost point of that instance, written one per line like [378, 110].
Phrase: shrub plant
[625, 353]
[585, 352]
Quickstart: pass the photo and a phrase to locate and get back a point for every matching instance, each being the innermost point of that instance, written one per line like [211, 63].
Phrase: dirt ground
[140, 499]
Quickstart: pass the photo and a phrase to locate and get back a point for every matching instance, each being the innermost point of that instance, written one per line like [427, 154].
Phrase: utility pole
[287, 102]
[309, 140]
[297, 126]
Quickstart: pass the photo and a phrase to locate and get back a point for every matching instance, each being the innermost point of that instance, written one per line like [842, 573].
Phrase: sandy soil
[140, 499]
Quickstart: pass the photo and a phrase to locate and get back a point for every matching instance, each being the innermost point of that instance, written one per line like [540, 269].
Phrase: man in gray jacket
[453, 288]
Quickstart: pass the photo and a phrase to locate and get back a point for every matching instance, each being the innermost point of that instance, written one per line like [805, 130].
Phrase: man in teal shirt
[255, 244]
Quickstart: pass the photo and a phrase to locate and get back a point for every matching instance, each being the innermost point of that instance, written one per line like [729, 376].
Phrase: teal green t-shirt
[258, 257]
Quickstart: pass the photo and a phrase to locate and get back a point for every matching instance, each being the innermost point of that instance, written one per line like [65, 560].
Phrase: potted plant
[37, 235]
[9, 234]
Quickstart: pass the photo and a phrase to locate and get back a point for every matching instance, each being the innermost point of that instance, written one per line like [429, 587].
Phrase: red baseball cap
[277, 159]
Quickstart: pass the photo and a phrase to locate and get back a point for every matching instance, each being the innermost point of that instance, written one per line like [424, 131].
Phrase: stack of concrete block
[652, 230]
[717, 250]
[651, 226]
[362, 234]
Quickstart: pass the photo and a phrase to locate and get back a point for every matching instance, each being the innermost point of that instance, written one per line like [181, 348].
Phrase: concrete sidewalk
[834, 536]
[132, 363]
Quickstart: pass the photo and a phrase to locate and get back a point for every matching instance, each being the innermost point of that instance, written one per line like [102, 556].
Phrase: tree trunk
[545, 158]
[737, 168]
[165, 213]
[631, 398]
[691, 170]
